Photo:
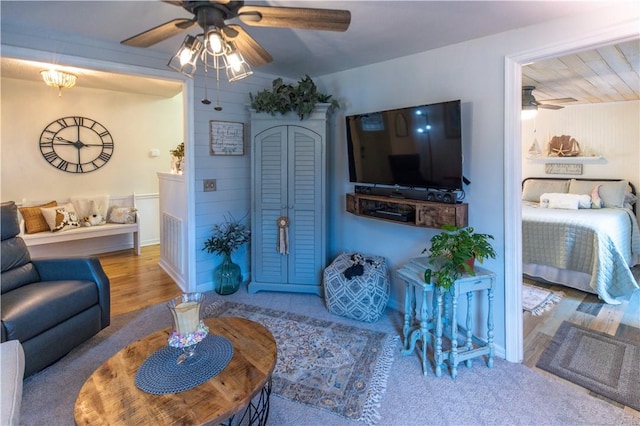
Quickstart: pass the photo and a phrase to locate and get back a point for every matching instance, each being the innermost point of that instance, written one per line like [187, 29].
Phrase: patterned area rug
[539, 300]
[604, 364]
[323, 364]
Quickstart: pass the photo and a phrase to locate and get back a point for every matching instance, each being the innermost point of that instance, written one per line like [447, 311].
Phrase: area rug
[604, 364]
[323, 364]
[539, 300]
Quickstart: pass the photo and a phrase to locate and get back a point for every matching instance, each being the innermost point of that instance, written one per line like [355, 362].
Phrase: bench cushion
[32, 309]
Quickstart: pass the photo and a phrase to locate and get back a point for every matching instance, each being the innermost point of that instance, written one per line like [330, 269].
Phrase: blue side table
[440, 319]
[446, 322]
[412, 273]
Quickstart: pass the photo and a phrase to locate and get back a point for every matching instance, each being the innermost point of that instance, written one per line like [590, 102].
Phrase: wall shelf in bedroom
[566, 159]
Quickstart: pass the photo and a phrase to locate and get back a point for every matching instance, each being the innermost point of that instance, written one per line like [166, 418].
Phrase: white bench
[86, 232]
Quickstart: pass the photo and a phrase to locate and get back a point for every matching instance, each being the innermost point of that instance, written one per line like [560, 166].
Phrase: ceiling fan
[529, 101]
[212, 17]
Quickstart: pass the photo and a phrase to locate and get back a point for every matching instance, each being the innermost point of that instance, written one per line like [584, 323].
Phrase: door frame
[514, 338]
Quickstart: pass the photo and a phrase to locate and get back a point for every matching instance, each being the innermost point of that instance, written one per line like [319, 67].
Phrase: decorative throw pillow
[534, 188]
[612, 193]
[122, 215]
[596, 201]
[33, 219]
[89, 206]
[60, 218]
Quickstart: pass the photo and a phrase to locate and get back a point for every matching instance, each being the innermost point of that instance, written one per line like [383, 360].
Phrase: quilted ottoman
[357, 286]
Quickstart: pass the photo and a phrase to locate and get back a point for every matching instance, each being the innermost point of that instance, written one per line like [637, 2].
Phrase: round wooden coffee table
[110, 396]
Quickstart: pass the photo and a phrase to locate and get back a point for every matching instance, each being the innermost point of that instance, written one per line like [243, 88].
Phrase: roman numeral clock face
[76, 144]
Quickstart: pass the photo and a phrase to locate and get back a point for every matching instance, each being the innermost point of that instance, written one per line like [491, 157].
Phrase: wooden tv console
[406, 211]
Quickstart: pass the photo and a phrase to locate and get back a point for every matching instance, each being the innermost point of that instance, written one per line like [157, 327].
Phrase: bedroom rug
[604, 364]
[539, 300]
[323, 364]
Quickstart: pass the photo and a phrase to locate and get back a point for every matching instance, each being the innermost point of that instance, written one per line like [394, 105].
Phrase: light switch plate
[209, 185]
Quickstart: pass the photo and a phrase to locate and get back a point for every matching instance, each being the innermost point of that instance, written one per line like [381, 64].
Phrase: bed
[590, 245]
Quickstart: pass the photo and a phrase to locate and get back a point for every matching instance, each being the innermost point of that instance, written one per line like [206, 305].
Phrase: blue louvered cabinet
[288, 217]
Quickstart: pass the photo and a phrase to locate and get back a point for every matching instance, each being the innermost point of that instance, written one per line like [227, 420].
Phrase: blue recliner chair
[49, 305]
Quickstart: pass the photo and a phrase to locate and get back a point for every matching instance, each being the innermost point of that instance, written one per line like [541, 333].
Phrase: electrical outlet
[209, 185]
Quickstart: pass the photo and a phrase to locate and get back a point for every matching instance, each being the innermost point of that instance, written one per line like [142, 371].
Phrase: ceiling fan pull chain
[206, 100]
[218, 107]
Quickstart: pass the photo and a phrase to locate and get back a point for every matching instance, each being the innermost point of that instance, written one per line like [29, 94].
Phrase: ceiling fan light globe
[529, 112]
[184, 61]
[214, 43]
[238, 72]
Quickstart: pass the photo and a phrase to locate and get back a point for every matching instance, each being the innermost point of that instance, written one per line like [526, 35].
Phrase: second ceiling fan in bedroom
[223, 45]
[530, 105]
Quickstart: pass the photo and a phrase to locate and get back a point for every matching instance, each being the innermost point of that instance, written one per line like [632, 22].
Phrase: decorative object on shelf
[453, 252]
[534, 149]
[227, 237]
[283, 98]
[563, 146]
[177, 159]
[226, 138]
[188, 328]
[59, 79]
[76, 144]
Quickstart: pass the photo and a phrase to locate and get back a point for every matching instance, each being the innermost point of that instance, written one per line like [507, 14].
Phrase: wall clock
[76, 144]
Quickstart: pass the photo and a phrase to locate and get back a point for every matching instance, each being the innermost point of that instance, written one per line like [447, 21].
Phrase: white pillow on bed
[612, 193]
[534, 188]
[565, 201]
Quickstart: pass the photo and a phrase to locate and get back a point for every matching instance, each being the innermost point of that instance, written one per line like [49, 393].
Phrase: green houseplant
[227, 237]
[283, 98]
[177, 158]
[453, 252]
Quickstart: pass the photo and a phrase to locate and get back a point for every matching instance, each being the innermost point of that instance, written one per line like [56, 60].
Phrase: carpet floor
[605, 364]
[509, 394]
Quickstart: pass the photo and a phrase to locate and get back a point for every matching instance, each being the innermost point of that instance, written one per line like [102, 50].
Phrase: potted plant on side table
[453, 253]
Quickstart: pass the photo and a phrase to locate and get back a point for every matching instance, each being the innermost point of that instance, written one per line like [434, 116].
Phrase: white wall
[137, 123]
[610, 130]
[474, 73]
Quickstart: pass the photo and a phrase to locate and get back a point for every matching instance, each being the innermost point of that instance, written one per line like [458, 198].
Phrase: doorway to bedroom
[549, 309]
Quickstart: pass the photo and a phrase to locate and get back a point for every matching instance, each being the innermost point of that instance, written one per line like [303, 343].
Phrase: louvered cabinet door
[270, 202]
[304, 206]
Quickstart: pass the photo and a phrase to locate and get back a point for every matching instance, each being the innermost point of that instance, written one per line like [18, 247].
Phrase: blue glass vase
[227, 276]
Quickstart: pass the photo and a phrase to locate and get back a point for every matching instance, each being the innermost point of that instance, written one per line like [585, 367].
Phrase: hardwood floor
[587, 311]
[137, 281]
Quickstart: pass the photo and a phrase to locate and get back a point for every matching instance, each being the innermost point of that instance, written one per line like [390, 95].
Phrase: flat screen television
[413, 147]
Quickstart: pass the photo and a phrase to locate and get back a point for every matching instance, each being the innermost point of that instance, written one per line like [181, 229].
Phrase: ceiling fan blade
[547, 106]
[558, 101]
[293, 17]
[159, 33]
[181, 2]
[250, 49]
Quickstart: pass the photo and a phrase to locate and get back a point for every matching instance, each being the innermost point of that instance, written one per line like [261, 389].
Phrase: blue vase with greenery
[227, 237]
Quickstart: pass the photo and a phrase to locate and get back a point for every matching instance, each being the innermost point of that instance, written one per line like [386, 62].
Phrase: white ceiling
[379, 30]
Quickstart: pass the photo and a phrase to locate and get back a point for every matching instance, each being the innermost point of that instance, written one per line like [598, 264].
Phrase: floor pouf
[357, 286]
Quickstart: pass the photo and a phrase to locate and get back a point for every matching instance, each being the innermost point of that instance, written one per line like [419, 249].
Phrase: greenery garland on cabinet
[282, 98]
